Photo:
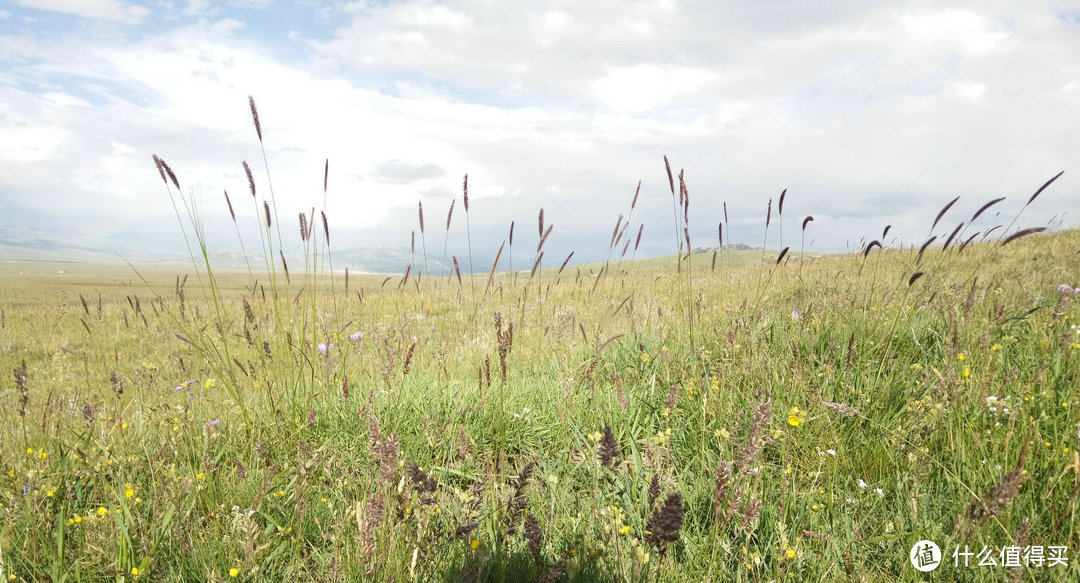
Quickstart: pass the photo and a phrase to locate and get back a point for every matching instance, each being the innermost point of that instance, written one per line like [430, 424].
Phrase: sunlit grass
[825, 413]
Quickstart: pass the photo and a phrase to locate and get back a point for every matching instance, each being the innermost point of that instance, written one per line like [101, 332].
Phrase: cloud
[869, 115]
[107, 10]
[399, 171]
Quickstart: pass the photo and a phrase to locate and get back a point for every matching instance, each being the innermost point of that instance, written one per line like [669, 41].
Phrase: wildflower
[831, 452]
[475, 544]
[129, 491]
[1065, 288]
[790, 553]
[355, 336]
[795, 315]
[879, 491]
[553, 479]
[795, 416]
[234, 572]
[102, 511]
[324, 348]
[960, 356]
[135, 571]
[50, 493]
[208, 384]
[42, 455]
[212, 423]
[124, 426]
[862, 483]
[995, 347]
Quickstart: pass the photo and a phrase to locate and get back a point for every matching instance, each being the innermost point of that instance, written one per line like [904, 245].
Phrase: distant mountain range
[19, 243]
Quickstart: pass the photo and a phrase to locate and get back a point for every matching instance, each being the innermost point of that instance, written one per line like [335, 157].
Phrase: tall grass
[732, 427]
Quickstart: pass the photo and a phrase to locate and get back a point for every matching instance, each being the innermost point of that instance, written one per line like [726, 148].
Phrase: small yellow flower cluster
[796, 416]
[662, 437]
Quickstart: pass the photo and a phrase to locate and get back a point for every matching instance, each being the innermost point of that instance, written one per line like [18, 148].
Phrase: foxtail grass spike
[943, 211]
[255, 117]
[1043, 187]
[782, 254]
[983, 208]
[250, 178]
[1023, 233]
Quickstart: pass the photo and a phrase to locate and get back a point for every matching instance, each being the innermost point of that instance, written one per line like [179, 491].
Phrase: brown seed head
[172, 176]
[229, 202]
[465, 193]
[255, 117]
[665, 524]
[608, 451]
[251, 180]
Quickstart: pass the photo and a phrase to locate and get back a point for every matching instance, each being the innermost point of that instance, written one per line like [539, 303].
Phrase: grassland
[763, 417]
[822, 418]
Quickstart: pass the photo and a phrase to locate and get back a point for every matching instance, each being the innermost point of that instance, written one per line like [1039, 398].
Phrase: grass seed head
[666, 522]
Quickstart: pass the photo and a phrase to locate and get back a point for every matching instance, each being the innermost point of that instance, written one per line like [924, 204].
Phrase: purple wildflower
[795, 314]
[185, 386]
[324, 348]
[1065, 288]
[356, 336]
[212, 423]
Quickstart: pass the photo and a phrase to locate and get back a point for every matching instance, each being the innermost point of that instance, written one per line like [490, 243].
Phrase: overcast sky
[868, 113]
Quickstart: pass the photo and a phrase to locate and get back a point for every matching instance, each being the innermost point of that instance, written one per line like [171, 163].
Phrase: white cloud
[642, 87]
[107, 10]
[868, 115]
[969, 89]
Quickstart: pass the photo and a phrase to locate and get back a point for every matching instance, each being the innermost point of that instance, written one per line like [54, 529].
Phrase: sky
[869, 114]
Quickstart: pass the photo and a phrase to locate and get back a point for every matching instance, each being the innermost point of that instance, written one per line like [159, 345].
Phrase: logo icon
[925, 556]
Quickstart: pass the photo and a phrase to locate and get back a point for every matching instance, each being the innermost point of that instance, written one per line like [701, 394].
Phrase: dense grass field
[744, 416]
[807, 420]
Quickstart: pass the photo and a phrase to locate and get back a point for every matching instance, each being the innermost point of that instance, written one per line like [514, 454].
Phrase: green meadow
[753, 416]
